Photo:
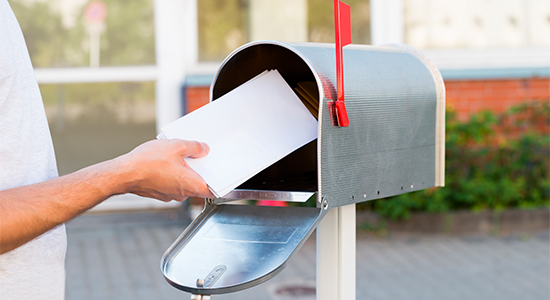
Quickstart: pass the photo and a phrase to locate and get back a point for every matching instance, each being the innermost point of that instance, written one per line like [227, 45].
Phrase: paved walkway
[118, 257]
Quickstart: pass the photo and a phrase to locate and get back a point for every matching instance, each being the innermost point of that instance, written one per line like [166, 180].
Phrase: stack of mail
[247, 129]
[307, 92]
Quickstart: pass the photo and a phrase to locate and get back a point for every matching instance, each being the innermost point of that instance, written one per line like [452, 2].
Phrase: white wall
[477, 24]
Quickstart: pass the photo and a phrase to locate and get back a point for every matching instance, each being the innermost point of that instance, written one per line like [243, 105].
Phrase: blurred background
[111, 72]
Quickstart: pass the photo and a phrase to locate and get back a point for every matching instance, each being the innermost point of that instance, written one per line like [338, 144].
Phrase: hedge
[492, 162]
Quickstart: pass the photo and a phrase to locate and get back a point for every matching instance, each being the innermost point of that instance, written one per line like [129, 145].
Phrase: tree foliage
[321, 21]
[223, 26]
[50, 44]
[127, 39]
[492, 162]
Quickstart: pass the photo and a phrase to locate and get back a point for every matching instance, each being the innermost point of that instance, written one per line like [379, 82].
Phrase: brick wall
[465, 96]
[470, 96]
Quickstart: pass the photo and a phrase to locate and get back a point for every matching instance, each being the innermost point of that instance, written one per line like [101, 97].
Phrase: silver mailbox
[395, 99]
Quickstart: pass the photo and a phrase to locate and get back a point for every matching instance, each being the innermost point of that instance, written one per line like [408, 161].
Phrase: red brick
[464, 96]
[539, 92]
[540, 83]
[471, 96]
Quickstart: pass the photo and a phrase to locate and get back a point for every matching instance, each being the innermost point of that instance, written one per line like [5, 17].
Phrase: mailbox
[394, 144]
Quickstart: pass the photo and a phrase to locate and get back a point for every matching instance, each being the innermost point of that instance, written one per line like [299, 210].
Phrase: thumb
[196, 149]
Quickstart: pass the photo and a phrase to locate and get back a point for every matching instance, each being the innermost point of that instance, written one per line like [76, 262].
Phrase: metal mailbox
[395, 99]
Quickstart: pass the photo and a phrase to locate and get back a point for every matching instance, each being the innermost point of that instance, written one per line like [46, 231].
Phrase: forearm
[155, 169]
[27, 212]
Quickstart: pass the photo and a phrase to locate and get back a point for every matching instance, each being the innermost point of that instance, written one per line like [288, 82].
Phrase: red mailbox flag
[342, 28]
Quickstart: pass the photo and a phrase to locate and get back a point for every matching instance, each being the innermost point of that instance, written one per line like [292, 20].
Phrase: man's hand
[161, 172]
[155, 169]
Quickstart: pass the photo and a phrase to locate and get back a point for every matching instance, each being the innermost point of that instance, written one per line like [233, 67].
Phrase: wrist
[126, 176]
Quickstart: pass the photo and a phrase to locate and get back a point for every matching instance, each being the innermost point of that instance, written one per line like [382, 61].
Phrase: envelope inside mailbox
[248, 129]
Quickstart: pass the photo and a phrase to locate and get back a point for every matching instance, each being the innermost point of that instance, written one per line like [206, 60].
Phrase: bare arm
[155, 169]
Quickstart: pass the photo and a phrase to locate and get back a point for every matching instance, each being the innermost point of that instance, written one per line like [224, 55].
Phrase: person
[35, 203]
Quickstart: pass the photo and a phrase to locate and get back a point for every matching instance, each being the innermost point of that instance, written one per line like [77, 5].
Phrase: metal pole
[95, 33]
[336, 259]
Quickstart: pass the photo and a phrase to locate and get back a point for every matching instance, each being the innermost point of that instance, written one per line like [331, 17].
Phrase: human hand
[158, 170]
[154, 169]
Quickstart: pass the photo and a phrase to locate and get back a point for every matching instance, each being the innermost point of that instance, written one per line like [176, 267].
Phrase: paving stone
[118, 258]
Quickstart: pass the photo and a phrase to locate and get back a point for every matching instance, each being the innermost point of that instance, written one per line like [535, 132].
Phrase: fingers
[196, 185]
[160, 171]
[204, 193]
[196, 149]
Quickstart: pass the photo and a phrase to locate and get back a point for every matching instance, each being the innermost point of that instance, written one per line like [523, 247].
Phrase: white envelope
[247, 129]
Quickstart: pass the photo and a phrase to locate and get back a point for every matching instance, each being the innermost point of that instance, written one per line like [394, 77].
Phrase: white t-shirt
[35, 270]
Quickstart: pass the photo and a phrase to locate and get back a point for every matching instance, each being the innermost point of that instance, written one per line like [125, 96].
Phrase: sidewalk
[118, 257]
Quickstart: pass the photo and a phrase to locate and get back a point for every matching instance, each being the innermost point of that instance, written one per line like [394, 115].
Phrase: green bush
[492, 162]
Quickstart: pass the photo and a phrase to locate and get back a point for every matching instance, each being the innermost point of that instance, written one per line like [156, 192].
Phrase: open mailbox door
[394, 144]
[228, 248]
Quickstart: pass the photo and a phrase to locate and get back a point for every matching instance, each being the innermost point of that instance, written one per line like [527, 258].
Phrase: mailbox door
[228, 248]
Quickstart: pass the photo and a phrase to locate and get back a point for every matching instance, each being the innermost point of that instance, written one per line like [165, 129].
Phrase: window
[93, 122]
[58, 35]
[477, 24]
[224, 25]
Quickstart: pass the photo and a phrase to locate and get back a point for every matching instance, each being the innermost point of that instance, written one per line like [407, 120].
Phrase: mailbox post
[394, 144]
[336, 260]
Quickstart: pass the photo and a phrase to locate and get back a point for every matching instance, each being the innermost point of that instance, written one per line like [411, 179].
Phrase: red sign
[95, 12]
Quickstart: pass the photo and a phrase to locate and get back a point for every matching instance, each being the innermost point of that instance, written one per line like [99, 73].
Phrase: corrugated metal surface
[395, 102]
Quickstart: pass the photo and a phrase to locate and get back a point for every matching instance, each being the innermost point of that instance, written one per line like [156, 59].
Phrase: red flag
[344, 23]
[342, 29]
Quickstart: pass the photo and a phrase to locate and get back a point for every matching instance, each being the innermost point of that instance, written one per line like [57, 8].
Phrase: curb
[460, 223]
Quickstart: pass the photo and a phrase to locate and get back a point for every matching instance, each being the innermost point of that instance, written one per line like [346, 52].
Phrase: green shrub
[491, 162]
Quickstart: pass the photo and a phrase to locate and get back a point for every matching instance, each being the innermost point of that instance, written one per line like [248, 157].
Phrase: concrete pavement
[117, 256]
